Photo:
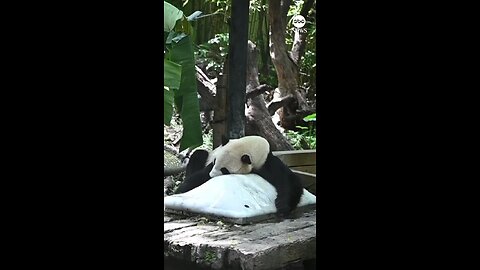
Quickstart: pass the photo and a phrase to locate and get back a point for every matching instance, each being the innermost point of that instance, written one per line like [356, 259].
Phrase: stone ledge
[258, 246]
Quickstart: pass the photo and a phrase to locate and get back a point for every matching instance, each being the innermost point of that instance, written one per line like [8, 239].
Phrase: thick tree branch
[258, 91]
[276, 104]
[172, 171]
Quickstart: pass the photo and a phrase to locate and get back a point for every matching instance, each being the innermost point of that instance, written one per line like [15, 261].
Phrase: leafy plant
[213, 53]
[210, 257]
[306, 137]
[180, 88]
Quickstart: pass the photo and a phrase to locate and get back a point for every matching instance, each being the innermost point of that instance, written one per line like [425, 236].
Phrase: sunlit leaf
[171, 15]
[311, 117]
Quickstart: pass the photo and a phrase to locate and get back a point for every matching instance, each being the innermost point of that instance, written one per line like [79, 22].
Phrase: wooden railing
[304, 164]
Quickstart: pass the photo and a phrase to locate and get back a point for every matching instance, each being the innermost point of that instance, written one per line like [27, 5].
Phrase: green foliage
[213, 53]
[172, 75]
[174, 15]
[175, 20]
[306, 137]
[295, 8]
[258, 5]
[270, 77]
[310, 118]
[309, 62]
[180, 88]
[213, 19]
[208, 140]
[210, 256]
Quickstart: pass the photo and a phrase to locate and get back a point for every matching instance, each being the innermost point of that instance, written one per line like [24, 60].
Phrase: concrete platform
[267, 245]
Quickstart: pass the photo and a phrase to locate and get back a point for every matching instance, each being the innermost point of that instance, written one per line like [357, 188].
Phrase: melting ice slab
[233, 196]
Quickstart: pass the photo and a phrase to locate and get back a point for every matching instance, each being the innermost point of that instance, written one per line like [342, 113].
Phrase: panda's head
[239, 156]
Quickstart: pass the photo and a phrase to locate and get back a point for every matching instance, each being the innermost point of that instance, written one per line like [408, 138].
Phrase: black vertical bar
[238, 39]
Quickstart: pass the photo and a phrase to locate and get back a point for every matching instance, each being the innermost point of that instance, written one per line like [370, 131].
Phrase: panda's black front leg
[282, 203]
[282, 200]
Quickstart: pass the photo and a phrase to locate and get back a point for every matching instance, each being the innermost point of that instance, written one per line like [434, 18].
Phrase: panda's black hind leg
[197, 162]
[196, 173]
[194, 180]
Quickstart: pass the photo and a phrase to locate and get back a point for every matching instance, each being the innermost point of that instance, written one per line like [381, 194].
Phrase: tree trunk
[258, 119]
[286, 65]
[300, 37]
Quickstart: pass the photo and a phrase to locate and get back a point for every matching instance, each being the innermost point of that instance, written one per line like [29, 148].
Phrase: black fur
[288, 185]
[224, 171]
[225, 140]
[197, 162]
[246, 159]
[196, 173]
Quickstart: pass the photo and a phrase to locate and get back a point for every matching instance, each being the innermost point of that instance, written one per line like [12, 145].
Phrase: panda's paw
[281, 203]
[283, 209]
[279, 217]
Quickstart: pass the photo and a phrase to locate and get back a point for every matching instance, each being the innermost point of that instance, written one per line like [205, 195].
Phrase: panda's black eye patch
[246, 159]
[224, 170]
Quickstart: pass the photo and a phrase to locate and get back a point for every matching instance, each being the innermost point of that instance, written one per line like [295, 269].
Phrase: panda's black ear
[224, 140]
[246, 159]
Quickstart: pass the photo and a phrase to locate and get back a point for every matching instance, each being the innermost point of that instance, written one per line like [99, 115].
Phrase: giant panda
[249, 154]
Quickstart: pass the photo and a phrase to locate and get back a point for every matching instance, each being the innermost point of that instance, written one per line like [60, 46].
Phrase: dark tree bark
[237, 55]
[258, 120]
[172, 171]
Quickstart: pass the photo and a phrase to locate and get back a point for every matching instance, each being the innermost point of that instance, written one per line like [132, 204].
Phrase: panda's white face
[231, 163]
[239, 156]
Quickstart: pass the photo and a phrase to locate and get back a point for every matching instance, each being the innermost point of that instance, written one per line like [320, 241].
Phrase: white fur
[229, 155]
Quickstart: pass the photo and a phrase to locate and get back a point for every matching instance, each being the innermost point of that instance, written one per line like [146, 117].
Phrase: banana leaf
[186, 98]
[172, 75]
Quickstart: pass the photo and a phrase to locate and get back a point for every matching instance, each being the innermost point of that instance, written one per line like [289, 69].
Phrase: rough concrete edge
[241, 221]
